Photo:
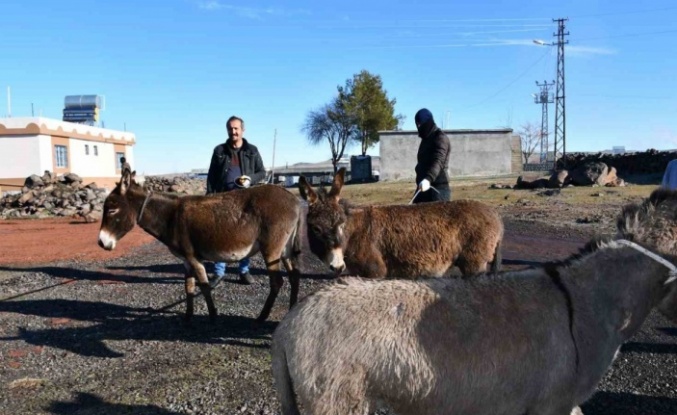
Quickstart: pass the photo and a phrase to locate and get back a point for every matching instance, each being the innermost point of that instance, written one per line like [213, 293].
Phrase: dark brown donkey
[221, 227]
[402, 241]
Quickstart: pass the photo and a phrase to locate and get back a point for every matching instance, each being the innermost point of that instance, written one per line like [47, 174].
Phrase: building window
[86, 149]
[61, 153]
[96, 150]
[118, 156]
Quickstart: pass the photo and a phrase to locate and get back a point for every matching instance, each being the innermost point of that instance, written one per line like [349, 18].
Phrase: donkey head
[119, 217]
[652, 222]
[326, 222]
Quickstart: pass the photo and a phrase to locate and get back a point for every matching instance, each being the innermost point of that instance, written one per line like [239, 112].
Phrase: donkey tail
[496, 263]
[283, 381]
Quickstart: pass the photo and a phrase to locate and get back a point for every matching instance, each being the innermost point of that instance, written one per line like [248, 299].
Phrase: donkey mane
[594, 244]
[634, 215]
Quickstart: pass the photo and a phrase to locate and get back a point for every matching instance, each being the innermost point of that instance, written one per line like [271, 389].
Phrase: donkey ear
[125, 181]
[336, 187]
[307, 192]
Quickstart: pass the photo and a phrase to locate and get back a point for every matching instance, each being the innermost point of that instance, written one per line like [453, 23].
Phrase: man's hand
[243, 182]
[424, 186]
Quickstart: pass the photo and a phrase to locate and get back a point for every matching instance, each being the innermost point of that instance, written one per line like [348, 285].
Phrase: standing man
[433, 160]
[235, 164]
[125, 166]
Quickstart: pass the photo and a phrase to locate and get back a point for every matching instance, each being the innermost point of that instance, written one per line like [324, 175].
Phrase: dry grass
[381, 193]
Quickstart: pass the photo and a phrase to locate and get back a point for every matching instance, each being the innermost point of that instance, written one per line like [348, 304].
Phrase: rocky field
[105, 335]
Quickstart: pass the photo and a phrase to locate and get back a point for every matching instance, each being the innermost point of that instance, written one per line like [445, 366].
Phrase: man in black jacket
[235, 164]
[433, 160]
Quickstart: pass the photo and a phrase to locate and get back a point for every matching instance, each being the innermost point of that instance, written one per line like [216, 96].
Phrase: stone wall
[646, 162]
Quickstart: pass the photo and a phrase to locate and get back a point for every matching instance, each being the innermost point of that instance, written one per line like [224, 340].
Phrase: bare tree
[530, 135]
[333, 123]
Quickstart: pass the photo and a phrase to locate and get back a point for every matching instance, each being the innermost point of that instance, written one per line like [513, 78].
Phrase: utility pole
[560, 104]
[544, 98]
[272, 166]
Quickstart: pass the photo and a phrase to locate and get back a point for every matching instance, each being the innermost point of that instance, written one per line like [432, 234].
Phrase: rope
[657, 258]
[419, 191]
[143, 207]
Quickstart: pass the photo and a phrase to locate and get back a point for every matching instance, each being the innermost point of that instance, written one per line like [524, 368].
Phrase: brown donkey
[221, 227]
[402, 241]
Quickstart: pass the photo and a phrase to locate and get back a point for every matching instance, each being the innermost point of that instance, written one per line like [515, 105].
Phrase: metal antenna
[544, 98]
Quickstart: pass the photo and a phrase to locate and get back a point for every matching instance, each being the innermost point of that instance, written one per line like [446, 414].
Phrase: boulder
[590, 173]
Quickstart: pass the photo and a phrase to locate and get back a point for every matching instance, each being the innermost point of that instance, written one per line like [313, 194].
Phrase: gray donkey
[536, 341]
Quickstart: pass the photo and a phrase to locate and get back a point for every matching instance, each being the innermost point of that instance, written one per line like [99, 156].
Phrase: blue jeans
[220, 267]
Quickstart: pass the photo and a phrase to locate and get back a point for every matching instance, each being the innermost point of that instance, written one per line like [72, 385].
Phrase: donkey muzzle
[106, 241]
[335, 261]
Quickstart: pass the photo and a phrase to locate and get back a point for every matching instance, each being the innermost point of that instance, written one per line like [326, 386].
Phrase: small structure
[31, 145]
[473, 153]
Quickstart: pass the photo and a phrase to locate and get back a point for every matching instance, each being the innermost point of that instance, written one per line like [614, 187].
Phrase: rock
[68, 212]
[590, 173]
[26, 197]
[70, 178]
[559, 179]
[33, 181]
[93, 216]
[616, 183]
[609, 178]
[85, 209]
[48, 177]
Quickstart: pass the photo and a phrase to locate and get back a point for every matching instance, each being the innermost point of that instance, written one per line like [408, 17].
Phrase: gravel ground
[108, 337]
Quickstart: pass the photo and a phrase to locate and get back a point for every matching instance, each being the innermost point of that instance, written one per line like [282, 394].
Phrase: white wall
[25, 155]
[473, 153]
[90, 165]
[129, 155]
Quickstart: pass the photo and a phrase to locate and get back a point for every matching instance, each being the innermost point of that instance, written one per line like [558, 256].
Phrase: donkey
[653, 219]
[401, 241]
[221, 227]
[535, 341]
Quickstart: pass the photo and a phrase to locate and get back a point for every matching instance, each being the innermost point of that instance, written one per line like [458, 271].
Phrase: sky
[173, 71]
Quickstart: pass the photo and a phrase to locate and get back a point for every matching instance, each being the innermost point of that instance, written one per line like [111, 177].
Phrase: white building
[31, 145]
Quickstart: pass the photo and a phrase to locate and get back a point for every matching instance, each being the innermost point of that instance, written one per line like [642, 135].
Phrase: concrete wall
[100, 165]
[25, 155]
[473, 153]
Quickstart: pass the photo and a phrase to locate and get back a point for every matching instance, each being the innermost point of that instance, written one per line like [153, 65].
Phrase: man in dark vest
[432, 160]
[235, 164]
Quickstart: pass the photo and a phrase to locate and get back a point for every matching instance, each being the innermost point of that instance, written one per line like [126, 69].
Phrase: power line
[624, 96]
[631, 35]
[511, 82]
[624, 12]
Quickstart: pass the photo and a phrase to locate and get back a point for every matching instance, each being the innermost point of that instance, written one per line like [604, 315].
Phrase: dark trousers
[442, 194]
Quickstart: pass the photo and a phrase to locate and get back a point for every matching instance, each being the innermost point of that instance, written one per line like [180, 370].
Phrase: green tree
[369, 106]
[333, 123]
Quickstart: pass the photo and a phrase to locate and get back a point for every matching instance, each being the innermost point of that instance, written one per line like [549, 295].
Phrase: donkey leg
[276, 283]
[190, 296]
[205, 288]
[294, 279]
